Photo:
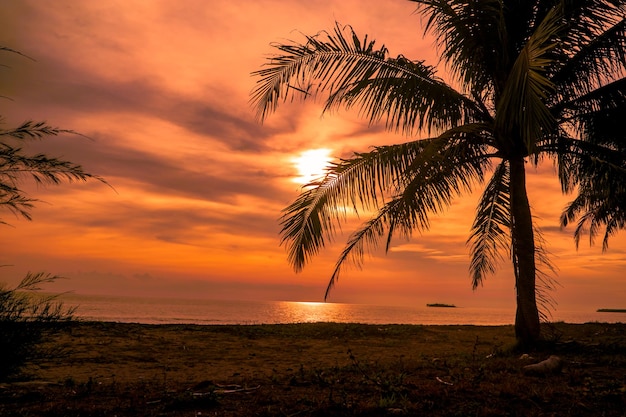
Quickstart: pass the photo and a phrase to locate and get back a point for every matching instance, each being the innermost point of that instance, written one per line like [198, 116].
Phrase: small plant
[24, 318]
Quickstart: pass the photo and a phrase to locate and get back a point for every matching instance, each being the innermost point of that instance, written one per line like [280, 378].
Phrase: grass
[322, 369]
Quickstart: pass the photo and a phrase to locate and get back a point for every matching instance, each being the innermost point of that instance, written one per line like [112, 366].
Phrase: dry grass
[320, 369]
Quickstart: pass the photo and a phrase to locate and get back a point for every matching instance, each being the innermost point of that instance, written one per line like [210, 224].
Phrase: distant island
[611, 310]
[441, 305]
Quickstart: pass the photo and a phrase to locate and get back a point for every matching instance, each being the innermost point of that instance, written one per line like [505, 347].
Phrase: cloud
[437, 249]
[161, 88]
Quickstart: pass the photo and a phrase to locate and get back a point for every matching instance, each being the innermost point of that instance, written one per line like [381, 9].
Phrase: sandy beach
[320, 369]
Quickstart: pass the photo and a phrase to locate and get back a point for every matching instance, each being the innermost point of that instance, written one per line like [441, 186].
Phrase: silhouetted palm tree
[533, 78]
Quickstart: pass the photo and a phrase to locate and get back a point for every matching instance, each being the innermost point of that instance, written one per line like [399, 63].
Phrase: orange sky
[162, 88]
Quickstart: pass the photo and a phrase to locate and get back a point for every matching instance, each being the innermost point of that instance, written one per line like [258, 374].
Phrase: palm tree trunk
[523, 250]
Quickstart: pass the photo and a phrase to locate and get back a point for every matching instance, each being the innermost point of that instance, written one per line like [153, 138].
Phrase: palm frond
[585, 21]
[588, 160]
[599, 203]
[490, 235]
[468, 34]
[598, 61]
[596, 115]
[610, 94]
[363, 182]
[545, 275]
[355, 183]
[407, 94]
[399, 94]
[429, 188]
[364, 240]
[521, 109]
[305, 224]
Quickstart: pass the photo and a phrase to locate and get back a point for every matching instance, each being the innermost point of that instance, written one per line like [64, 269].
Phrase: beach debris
[230, 389]
[208, 387]
[443, 382]
[552, 365]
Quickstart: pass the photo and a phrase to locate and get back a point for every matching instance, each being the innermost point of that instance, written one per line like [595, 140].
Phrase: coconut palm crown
[536, 80]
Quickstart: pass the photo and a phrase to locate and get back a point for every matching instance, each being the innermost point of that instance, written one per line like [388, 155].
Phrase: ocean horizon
[146, 310]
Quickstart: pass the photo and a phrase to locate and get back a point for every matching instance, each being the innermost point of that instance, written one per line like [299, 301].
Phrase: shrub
[25, 316]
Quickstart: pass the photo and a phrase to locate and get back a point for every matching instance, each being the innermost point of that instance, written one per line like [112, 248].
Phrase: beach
[319, 369]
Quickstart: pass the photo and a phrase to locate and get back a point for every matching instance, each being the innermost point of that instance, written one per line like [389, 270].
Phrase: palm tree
[601, 199]
[534, 77]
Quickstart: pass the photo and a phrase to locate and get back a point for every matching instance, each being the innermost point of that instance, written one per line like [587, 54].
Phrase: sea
[215, 312]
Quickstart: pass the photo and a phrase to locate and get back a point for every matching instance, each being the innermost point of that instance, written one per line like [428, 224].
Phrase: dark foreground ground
[320, 370]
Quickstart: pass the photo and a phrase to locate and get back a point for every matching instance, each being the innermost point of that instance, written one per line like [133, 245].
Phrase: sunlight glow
[311, 164]
[310, 311]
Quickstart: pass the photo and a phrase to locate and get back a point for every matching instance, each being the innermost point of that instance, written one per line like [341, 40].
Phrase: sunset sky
[161, 89]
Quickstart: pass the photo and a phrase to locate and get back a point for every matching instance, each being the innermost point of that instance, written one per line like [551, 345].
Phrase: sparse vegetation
[321, 369]
[25, 317]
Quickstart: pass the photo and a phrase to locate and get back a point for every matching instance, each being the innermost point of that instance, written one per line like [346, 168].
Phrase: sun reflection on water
[312, 311]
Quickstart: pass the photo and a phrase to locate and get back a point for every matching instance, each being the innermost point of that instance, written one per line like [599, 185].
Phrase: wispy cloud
[161, 89]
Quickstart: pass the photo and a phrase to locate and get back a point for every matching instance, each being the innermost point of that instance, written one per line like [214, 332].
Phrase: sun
[311, 164]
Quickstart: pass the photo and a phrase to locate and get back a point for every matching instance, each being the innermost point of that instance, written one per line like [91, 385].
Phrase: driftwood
[205, 388]
[230, 389]
[552, 365]
[443, 382]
